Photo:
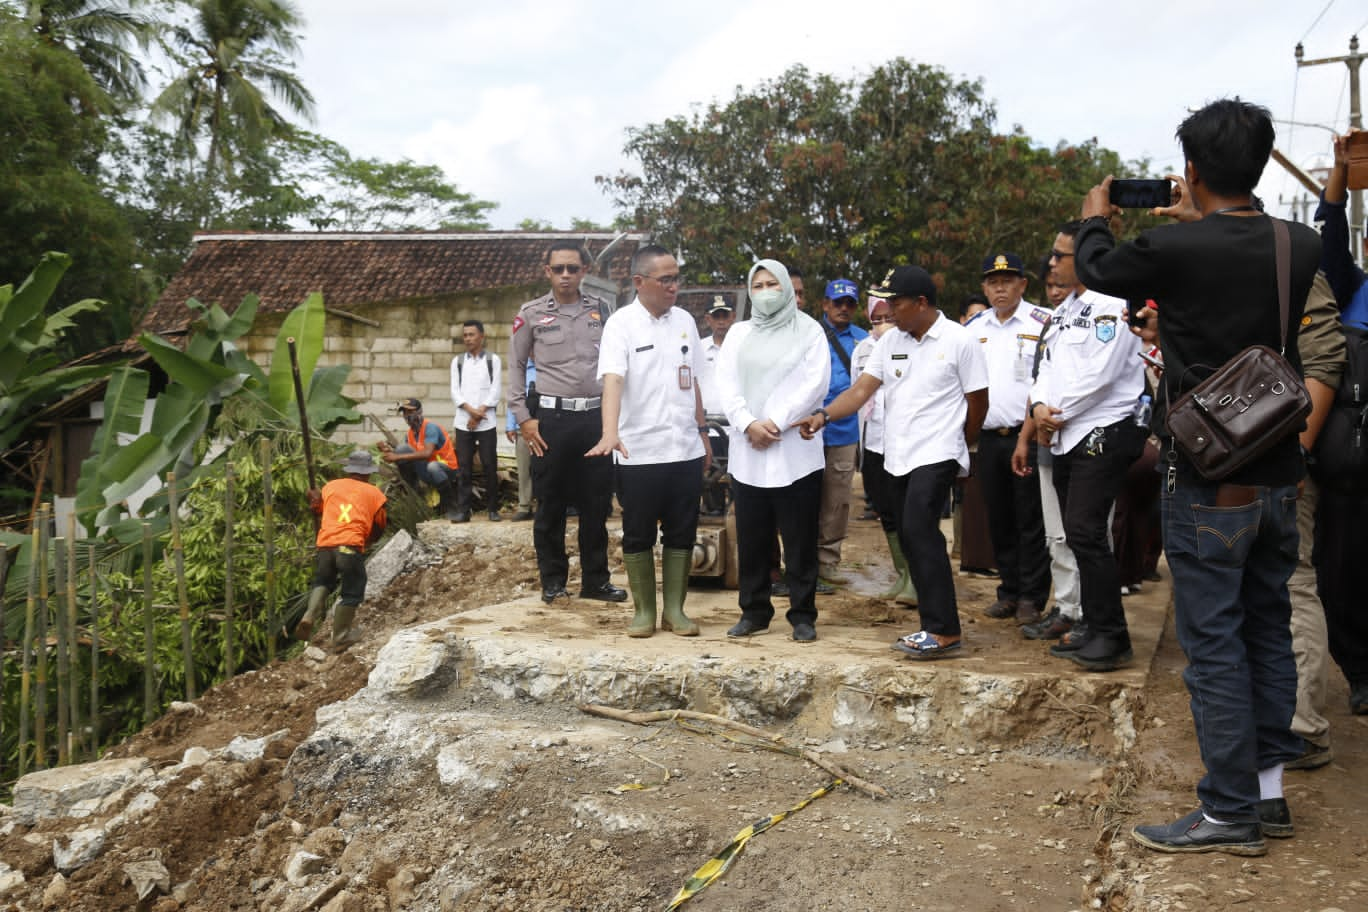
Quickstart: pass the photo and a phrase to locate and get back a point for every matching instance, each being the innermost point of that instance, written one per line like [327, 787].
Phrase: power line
[1319, 18]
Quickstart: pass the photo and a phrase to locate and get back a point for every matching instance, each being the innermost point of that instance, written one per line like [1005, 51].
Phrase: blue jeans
[433, 472]
[1230, 568]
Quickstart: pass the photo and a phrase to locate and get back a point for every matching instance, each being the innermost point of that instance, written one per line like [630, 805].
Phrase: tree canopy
[851, 177]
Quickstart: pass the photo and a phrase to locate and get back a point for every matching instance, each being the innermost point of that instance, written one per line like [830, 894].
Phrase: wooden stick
[303, 412]
[149, 644]
[73, 654]
[59, 545]
[40, 672]
[646, 718]
[229, 499]
[4, 580]
[94, 652]
[182, 598]
[26, 653]
[268, 544]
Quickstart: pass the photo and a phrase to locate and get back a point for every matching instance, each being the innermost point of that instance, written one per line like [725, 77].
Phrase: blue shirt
[511, 424]
[1346, 279]
[842, 431]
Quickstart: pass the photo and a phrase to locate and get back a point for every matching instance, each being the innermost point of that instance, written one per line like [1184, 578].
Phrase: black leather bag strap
[1282, 249]
[838, 348]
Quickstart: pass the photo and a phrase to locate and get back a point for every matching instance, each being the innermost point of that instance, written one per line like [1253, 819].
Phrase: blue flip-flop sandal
[923, 646]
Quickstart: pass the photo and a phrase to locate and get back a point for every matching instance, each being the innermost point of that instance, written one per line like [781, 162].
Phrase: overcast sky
[524, 102]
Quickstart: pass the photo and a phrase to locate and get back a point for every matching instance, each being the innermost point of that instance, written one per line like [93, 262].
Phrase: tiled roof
[355, 269]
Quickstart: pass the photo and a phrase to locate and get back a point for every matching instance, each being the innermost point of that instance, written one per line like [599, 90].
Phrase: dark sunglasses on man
[563, 268]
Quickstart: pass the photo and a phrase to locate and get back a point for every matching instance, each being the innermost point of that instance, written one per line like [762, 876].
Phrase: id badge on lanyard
[685, 372]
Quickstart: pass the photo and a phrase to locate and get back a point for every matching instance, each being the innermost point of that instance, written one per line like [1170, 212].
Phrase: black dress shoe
[494, 516]
[1074, 639]
[804, 633]
[553, 592]
[460, 516]
[522, 516]
[1194, 833]
[1102, 653]
[1275, 819]
[746, 627]
[605, 593]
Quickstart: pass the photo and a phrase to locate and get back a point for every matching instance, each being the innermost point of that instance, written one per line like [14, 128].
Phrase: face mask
[768, 302]
[414, 419]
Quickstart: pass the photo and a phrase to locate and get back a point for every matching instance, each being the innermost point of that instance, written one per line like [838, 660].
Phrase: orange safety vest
[351, 509]
[446, 452]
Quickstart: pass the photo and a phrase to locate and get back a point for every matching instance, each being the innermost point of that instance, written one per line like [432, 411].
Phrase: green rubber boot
[641, 581]
[902, 590]
[318, 607]
[342, 633]
[674, 582]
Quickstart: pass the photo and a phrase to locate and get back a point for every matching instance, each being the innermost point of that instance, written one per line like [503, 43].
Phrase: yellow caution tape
[716, 866]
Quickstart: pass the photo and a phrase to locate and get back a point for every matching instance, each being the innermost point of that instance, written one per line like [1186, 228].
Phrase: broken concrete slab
[75, 791]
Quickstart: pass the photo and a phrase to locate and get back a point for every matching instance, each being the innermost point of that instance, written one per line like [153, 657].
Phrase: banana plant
[31, 374]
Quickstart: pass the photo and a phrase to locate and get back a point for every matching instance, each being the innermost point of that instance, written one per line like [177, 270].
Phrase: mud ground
[1032, 825]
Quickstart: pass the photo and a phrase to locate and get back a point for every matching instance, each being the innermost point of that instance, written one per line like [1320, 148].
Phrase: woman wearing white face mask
[772, 370]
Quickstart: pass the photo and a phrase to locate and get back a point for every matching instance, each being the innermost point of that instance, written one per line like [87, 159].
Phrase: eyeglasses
[877, 320]
[666, 280]
[563, 268]
[843, 302]
[1059, 254]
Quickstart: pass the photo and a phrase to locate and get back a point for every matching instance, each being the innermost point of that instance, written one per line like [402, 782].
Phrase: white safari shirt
[925, 384]
[1009, 348]
[1091, 368]
[655, 356]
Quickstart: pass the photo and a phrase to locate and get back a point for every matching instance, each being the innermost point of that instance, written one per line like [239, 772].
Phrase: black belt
[1004, 431]
[569, 404]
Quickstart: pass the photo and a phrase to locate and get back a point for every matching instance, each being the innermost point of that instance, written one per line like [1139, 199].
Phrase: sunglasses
[563, 268]
[845, 303]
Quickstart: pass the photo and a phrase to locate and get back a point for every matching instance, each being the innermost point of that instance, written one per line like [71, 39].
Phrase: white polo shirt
[925, 384]
[707, 377]
[1009, 348]
[659, 421]
[795, 396]
[1091, 368]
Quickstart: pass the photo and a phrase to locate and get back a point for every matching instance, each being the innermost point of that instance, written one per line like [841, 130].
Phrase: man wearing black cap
[935, 381]
[427, 457]
[720, 317]
[561, 331]
[1009, 332]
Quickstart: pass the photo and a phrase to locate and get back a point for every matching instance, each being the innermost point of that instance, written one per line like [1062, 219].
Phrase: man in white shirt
[653, 425]
[1009, 331]
[719, 318]
[936, 384]
[475, 383]
[1084, 402]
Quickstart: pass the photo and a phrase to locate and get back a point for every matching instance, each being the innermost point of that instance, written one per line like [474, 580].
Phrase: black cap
[906, 282]
[719, 305]
[1000, 263]
[410, 405]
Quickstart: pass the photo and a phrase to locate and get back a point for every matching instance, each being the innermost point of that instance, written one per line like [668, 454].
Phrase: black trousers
[1016, 524]
[345, 565]
[791, 511]
[562, 477]
[1087, 480]
[1342, 577]
[919, 497]
[487, 442]
[878, 485]
[665, 495]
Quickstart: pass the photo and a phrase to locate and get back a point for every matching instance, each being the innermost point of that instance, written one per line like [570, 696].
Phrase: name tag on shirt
[645, 348]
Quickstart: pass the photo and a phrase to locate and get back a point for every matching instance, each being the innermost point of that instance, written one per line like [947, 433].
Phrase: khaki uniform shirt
[564, 343]
[1320, 338]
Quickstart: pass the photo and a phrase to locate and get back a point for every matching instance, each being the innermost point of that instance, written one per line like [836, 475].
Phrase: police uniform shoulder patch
[1039, 314]
[1104, 327]
[518, 323]
[1306, 320]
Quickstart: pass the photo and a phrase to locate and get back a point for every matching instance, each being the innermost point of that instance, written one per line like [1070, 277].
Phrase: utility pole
[1352, 60]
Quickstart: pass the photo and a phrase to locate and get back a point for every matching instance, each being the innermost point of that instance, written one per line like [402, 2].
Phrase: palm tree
[236, 52]
[100, 35]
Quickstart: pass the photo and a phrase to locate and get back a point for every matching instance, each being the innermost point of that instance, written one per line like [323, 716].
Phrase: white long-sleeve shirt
[471, 384]
[1091, 369]
[795, 396]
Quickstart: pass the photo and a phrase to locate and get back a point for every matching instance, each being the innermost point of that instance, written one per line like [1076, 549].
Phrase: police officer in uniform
[561, 332]
[1009, 331]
